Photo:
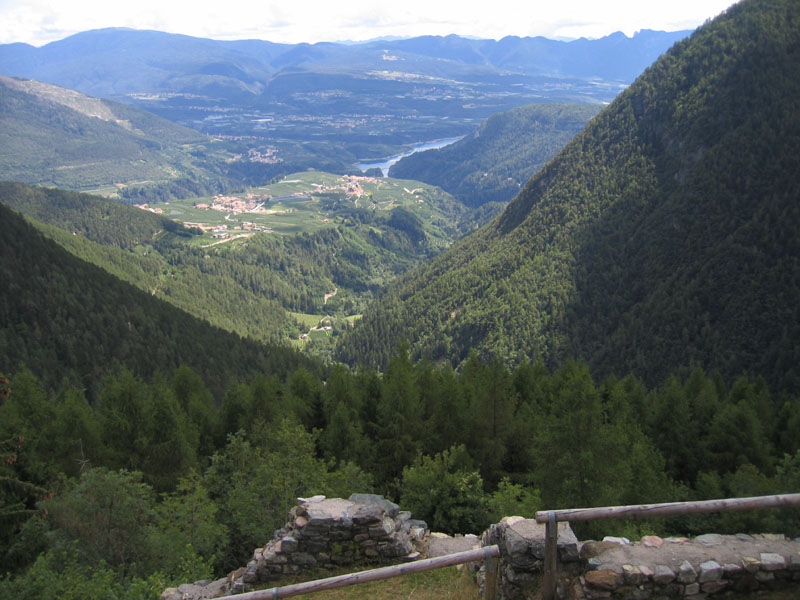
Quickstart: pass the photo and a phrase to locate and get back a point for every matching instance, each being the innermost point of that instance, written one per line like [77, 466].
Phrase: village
[290, 205]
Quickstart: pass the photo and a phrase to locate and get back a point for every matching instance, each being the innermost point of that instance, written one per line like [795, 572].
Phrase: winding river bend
[385, 164]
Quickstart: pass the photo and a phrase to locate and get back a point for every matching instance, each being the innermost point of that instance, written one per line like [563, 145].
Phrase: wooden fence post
[490, 582]
[550, 558]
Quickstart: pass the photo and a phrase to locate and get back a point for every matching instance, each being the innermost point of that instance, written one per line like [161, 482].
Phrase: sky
[38, 22]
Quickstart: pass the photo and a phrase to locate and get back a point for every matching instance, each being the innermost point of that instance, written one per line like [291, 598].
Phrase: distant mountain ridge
[663, 236]
[115, 62]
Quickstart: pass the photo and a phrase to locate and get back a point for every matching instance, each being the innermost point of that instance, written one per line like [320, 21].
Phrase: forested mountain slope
[247, 286]
[664, 234]
[494, 162]
[56, 136]
[64, 318]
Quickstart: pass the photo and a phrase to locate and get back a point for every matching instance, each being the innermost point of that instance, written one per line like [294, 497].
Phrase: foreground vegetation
[166, 482]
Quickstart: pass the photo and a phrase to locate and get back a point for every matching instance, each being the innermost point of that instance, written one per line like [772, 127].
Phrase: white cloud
[41, 21]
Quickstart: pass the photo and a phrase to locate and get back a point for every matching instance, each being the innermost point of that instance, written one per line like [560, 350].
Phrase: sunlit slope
[665, 234]
[495, 161]
[56, 136]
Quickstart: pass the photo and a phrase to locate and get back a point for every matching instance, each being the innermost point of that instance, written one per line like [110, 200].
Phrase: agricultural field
[309, 201]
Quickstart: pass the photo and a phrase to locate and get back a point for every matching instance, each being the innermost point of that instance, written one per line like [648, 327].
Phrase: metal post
[550, 558]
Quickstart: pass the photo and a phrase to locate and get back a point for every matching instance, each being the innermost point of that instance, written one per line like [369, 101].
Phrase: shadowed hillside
[663, 235]
[64, 318]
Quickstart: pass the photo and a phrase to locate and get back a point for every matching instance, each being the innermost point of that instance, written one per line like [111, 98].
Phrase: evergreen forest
[493, 163]
[625, 331]
[663, 236]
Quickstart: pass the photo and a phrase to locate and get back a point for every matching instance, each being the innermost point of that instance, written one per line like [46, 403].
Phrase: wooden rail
[551, 518]
[489, 553]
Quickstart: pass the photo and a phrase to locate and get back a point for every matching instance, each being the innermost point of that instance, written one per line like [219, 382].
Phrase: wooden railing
[489, 553]
[550, 519]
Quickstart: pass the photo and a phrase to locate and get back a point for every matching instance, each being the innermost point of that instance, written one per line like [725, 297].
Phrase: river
[385, 164]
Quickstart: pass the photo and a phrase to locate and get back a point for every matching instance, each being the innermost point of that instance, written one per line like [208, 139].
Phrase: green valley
[310, 201]
[311, 243]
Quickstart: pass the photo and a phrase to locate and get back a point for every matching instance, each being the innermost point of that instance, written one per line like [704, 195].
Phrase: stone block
[366, 514]
[710, 539]
[390, 508]
[732, 570]
[750, 564]
[592, 549]
[764, 576]
[399, 547]
[525, 562]
[417, 534]
[663, 575]
[771, 561]
[604, 579]
[709, 571]
[646, 571]
[620, 541]
[691, 589]
[686, 573]
[526, 535]
[287, 545]
[382, 530]
[251, 574]
[652, 541]
[632, 575]
[593, 564]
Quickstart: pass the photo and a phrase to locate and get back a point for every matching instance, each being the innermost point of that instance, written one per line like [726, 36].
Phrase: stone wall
[522, 543]
[323, 533]
[687, 568]
[367, 529]
[655, 568]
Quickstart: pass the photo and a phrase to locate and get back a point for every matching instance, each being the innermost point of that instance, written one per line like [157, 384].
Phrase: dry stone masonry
[522, 543]
[324, 533]
[682, 568]
[653, 568]
[368, 529]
